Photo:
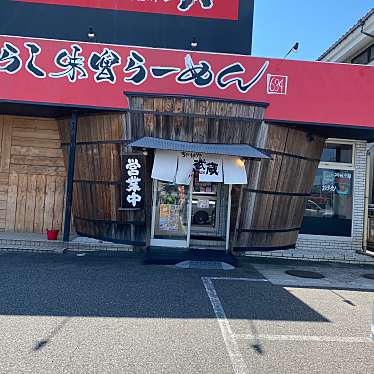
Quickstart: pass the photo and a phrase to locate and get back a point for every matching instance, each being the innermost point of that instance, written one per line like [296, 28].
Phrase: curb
[59, 247]
[17, 249]
[369, 261]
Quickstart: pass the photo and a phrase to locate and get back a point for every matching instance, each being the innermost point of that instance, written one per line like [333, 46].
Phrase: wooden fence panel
[32, 174]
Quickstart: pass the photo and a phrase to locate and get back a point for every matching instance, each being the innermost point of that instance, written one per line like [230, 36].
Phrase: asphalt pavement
[113, 314]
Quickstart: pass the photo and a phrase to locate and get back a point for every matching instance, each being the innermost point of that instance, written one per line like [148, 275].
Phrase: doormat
[204, 265]
[172, 256]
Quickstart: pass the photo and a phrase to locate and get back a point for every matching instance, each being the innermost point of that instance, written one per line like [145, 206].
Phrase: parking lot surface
[110, 314]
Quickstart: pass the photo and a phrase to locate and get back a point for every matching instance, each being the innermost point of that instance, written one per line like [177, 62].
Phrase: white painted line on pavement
[304, 338]
[232, 347]
[230, 339]
[239, 279]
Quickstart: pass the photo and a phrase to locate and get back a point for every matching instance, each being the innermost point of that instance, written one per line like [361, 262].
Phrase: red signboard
[220, 9]
[97, 75]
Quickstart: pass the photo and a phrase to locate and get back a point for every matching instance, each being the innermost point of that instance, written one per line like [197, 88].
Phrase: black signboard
[202, 25]
[133, 186]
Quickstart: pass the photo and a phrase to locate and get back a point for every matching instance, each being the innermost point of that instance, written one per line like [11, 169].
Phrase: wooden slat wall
[32, 174]
[4, 177]
[95, 203]
[96, 199]
[287, 175]
[215, 129]
[265, 220]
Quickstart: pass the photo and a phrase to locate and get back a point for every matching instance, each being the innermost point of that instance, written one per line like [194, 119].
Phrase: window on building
[328, 210]
[335, 152]
[365, 56]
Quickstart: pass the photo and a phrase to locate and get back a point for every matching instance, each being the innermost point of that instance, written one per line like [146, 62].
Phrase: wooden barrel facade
[273, 202]
[97, 180]
[270, 207]
[103, 138]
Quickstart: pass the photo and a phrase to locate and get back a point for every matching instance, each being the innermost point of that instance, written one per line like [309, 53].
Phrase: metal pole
[228, 219]
[368, 186]
[70, 176]
[366, 204]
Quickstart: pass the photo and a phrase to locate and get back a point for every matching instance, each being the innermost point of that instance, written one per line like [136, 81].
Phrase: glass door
[210, 216]
[171, 215]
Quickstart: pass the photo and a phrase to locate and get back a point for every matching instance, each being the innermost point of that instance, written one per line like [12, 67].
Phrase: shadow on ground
[112, 286]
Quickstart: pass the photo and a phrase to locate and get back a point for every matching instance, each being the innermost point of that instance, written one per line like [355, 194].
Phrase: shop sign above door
[224, 9]
[207, 166]
[179, 167]
[96, 75]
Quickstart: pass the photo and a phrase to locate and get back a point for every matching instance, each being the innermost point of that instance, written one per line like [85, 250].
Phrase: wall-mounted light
[294, 49]
[91, 33]
[194, 42]
[240, 161]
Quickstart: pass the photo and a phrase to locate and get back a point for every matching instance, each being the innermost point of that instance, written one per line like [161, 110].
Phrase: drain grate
[305, 274]
[368, 276]
[205, 265]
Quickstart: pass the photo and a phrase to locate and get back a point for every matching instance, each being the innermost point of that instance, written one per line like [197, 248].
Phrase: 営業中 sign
[133, 181]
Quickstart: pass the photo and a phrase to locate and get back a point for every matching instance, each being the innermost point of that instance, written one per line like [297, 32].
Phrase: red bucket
[52, 234]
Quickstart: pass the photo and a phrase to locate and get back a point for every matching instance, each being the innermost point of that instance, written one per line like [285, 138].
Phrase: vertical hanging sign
[133, 181]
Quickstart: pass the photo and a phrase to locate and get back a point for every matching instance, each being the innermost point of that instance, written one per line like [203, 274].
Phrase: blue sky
[316, 24]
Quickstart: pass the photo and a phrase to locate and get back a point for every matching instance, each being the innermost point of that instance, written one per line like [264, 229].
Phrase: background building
[339, 219]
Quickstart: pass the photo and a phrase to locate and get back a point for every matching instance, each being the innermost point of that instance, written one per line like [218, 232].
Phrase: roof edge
[349, 32]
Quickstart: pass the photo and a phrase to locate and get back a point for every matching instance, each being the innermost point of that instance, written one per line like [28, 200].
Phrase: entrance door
[195, 216]
[171, 215]
[210, 210]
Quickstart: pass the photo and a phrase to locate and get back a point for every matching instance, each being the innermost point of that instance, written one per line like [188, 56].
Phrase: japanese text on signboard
[223, 9]
[133, 182]
[70, 64]
[339, 182]
[97, 75]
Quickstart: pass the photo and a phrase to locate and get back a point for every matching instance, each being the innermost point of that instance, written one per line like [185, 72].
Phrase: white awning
[178, 167]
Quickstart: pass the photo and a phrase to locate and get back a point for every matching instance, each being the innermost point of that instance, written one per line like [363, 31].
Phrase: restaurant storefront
[192, 187]
[175, 148]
